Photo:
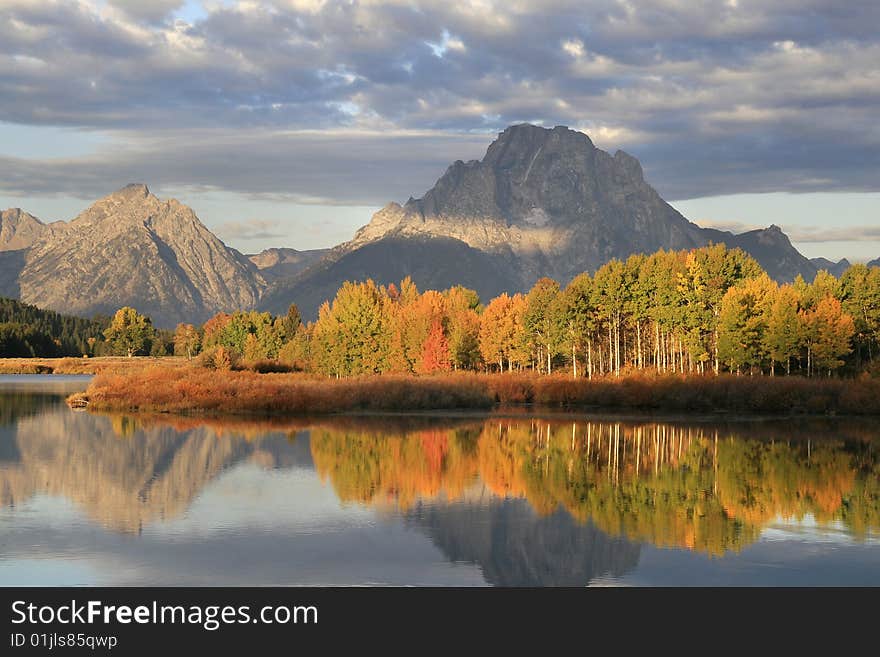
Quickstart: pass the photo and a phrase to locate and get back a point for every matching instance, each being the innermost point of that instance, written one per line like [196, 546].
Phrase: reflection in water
[528, 501]
[699, 487]
[516, 547]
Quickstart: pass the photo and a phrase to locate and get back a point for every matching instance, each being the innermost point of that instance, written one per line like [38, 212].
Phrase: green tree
[859, 293]
[709, 272]
[784, 338]
[543, 320]
[579, 313]
[130, 333]
[352, 335]
[742, 323]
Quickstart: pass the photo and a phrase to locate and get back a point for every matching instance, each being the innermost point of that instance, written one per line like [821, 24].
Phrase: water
[553, 501]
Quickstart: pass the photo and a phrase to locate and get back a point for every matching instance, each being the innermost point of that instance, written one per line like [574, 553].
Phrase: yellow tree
[784, 338]
[829, 333]
[186, 340]
[463, 327]
[742, 323]
[352, 334]
[502, 334]
[130, 333]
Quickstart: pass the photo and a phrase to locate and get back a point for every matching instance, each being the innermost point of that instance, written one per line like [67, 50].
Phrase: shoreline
[193, 391]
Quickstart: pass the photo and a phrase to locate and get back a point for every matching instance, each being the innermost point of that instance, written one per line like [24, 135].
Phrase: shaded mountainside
[278, 263]
[442, 260]
[874, 263]
[542, 202]
[771, 248]
[131, 248]
[836, 269]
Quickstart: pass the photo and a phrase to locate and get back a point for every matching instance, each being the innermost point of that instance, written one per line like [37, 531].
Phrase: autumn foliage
[192, 389]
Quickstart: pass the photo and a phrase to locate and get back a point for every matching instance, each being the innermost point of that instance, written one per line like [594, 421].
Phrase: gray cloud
[153, 11]
[804, 234]
[715, 97]
[250, 229]
[324, 168]
[844, 234]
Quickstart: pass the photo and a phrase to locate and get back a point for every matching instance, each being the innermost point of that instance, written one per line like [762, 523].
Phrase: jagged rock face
[131, 248]
[19, 230]
[546, 201]
[540, 203]
[283, 263]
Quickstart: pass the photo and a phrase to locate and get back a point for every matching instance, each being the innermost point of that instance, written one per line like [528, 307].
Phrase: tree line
[708, 310]
[27, 331]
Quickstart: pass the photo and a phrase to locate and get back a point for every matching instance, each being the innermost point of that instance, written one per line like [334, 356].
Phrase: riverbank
[96, 365]
[163, 389]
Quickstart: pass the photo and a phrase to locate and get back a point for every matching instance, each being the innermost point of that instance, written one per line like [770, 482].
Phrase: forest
[705, 311]
[27, 331]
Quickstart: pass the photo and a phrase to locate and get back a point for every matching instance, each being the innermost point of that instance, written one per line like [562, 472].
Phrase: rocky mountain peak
[132, 191]
[541, 202]
[18, 229]
[629, 166]
[132, 248]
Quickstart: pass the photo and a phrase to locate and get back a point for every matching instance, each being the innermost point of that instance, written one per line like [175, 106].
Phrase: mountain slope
[541, 202]
[442, 260]
[834, 268]
[131, 248]
[771, 248]
[278, 263]
[19, 230]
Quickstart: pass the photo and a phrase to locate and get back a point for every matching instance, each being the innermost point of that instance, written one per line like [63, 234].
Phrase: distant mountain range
[834, 268]
[541, 202]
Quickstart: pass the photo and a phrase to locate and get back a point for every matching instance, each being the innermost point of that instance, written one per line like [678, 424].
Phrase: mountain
[283, 263]
[18, 229]
[874, 263]
[834, 268]
[541, 202]
[771, 248]
[131, 248]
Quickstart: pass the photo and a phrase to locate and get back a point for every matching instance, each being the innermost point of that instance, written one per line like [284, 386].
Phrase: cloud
[804, 234]
[714, 97]
[308, 167]
[250, 229]
[153, 11]
[734, 227]
[811, 234]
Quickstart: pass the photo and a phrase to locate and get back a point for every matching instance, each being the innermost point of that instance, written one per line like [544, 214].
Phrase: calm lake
[418, 500]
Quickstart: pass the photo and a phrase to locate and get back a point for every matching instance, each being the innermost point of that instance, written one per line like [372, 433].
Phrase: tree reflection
[701, 487]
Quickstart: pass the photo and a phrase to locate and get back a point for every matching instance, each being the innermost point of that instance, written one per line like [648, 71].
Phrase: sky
[289, 122]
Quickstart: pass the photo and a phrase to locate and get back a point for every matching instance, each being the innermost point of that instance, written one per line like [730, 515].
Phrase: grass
[164, 389]
[69, 365]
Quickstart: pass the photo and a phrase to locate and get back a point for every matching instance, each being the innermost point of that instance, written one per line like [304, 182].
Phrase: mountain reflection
[515, 546]
[586, 489]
